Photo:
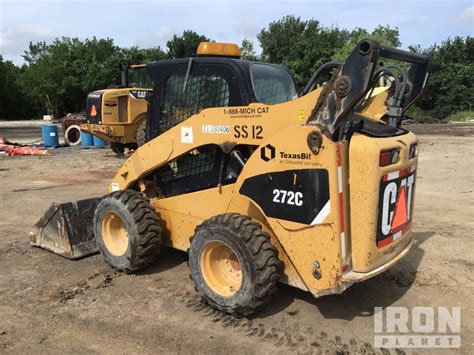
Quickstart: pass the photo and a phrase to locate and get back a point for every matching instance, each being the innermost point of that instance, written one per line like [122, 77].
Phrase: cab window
[271, 84]
[183, 97]
[138, 78]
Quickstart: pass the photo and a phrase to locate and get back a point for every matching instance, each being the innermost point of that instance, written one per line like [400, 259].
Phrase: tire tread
[149, 230]
[264, 256]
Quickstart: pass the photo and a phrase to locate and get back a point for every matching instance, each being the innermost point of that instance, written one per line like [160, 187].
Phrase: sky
[150, 23]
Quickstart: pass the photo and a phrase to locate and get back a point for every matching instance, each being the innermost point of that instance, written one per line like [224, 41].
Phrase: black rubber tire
[260, 265]
[144, 228]
[141, 133]
[117, 148]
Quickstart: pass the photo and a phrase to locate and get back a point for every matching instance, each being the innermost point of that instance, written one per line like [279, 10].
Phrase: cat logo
[396, 201]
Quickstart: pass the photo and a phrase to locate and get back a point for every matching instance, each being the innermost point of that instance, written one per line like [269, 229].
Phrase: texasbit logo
[300, 156]
[267, 152]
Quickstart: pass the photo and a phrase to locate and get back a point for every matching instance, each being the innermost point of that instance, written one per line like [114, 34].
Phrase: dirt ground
[49, 304]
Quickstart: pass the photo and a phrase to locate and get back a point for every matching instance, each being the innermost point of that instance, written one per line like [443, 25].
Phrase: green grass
[416, 112]
[461, 116]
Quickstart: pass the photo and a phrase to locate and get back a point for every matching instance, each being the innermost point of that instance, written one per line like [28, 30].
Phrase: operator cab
[215, 78]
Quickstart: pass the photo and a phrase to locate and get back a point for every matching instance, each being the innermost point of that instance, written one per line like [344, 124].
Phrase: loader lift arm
[345, 93]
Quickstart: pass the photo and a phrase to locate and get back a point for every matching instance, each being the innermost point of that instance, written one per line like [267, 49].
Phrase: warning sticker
[395, 206]
[187, 135]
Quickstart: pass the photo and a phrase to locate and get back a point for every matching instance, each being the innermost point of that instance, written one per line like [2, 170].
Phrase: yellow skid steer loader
[258, 185]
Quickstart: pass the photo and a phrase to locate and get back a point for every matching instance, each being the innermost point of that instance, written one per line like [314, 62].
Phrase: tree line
[56, 77]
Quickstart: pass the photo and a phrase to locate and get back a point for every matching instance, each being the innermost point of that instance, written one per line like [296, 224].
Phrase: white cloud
[14, 41]
[467, 17]
[158, 38]
[247, 28]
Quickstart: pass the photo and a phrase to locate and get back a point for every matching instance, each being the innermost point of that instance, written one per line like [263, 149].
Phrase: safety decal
[396, 205]
[93, 112]
[340, 192]
[187, 135]
[93, 107]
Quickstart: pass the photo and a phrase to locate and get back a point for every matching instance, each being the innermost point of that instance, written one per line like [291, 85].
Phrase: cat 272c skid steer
[257, 185]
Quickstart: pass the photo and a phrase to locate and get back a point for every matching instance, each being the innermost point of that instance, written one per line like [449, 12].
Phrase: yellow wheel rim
[114, 234]
[221, 269]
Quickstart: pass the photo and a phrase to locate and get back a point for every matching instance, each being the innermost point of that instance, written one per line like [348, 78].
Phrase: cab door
[185, 88]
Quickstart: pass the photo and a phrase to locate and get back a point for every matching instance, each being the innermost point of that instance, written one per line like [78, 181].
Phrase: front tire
[127, 231]
[233, 264]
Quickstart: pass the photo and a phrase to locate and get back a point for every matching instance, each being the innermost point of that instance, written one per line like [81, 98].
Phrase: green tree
[382, 34]
[12, 102]
[450, 85]
[135, 55]
[58, 76]
[247, 50]
[302, 46]
[185, 45]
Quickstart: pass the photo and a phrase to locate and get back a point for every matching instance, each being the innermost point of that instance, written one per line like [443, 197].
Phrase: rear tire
[127, 231]
[233, 264]
[141, 133]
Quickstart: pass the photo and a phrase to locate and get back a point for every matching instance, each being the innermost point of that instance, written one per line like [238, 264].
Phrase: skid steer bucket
[67, 229]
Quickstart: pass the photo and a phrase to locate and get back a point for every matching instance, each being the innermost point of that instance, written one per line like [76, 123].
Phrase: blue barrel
[50, 135]
[87, 139]
[99, 142]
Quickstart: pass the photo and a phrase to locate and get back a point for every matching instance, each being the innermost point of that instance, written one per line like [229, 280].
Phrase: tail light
[413, 151]
[388, 157]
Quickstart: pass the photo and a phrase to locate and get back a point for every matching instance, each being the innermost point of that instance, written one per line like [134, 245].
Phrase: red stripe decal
[405, 171]
[384, 242]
